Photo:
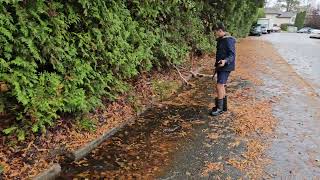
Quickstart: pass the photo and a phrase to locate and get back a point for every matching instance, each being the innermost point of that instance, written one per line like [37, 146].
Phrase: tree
[290, 5]
[261, 13]
[299, 22]
[314, 19]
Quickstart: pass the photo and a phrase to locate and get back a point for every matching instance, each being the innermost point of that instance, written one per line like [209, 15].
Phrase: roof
[272, 11]
[287, 15]
[279, 13]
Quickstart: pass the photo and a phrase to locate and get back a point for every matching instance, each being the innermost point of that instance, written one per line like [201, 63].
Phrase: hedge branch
[181, 76]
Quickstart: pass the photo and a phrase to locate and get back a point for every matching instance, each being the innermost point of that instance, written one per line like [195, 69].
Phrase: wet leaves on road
[210, 167]
[147, 148]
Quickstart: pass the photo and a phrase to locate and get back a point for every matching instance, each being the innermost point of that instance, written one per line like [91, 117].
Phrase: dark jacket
[226, 50]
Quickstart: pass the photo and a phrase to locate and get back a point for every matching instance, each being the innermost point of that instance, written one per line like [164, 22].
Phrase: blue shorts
[222, 77]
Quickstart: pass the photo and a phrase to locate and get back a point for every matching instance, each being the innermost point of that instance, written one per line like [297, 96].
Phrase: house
[278, 17]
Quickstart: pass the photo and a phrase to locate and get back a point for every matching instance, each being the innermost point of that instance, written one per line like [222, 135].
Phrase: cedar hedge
[63, 56]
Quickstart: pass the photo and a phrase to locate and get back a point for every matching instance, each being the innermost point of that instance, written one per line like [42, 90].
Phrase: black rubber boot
[216, 105]
[219, 109]
[225, 103]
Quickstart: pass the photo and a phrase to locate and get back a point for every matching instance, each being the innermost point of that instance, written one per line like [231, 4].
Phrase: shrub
[284, 27]
[299, 22]
[63, 56]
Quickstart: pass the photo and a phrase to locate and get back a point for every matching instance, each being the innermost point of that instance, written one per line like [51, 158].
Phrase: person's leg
[221, 94]
[222, 78]
[225, 99]
[217, 91]
[221, 91]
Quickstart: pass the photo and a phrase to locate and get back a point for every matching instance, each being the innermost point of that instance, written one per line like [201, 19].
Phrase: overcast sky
[304, 2]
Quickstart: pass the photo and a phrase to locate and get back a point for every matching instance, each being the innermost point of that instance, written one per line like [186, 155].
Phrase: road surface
[296, 148]
[178, 140]
[301, 52]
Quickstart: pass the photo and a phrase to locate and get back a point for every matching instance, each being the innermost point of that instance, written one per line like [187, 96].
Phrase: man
[225, 63]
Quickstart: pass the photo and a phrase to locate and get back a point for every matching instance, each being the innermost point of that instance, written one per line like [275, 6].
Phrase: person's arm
[231, 51]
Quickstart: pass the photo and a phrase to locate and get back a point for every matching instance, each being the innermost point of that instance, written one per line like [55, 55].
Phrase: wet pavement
[177, 139]
[169, 141]
[301, 52]
[295, 78]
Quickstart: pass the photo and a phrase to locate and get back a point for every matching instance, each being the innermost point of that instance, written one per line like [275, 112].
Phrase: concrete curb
[50, 173]
[86, 149]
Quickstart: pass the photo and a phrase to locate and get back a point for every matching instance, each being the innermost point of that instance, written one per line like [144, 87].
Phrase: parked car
[315, 31]
[276, 28]
[315, 36]
[264, 30]
[267, 23]
[256, 30]
[305, 30]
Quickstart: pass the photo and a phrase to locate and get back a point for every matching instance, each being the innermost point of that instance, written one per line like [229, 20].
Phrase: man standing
[225, 63]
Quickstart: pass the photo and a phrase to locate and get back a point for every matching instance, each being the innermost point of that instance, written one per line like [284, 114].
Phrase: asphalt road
[295, 78]
[301, 52]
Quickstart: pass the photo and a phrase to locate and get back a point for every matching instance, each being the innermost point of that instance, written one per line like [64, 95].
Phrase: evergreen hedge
[63, 56]
[300, 19]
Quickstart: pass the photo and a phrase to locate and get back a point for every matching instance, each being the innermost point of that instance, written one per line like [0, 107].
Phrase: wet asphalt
[295, 150]
[173, 137]
[295, 145]
[301, 52]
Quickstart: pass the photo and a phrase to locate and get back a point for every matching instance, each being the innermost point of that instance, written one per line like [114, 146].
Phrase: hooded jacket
[226, 51]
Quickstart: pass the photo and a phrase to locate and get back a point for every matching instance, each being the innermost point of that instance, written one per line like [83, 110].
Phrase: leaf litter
[145, 155]
[252, 119]
[19, 160]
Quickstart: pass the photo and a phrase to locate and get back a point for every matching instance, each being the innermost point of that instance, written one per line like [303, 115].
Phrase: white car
[315, 36]
[276, 29]
[315, 31]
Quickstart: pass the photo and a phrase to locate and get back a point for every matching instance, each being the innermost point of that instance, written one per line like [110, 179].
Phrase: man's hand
[222, 63]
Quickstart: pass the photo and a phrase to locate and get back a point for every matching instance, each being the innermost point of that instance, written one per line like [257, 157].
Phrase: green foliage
[133, 100]
[1, 168]
[238, 16]
[164, 89]
[284, 27]
[63, 56]
[86, 124]
[261, 13]
[299, 22]
[10, 130]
